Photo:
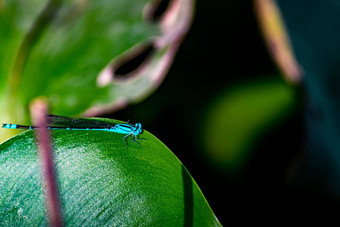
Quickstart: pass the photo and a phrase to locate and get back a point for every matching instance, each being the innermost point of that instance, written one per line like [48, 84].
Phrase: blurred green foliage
[57, 50]
[238, 117]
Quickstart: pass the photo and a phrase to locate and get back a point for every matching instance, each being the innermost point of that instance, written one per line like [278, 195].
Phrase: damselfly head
[138, 129]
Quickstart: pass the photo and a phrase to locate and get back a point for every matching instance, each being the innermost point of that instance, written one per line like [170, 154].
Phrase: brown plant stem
[38, 113]
[277, 39]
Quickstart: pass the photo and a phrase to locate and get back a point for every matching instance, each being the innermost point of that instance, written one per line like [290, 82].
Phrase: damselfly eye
[138, 127]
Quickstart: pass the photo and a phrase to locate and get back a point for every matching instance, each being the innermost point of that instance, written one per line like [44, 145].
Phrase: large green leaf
[101, 182]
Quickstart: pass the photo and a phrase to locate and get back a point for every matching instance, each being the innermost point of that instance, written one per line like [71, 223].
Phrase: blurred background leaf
[72, 51]
[101, 182]
[239, 117]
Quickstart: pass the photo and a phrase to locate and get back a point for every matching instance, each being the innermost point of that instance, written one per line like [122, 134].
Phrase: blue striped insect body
[67, 123]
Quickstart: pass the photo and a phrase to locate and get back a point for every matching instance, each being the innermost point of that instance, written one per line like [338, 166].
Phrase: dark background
[225, 46]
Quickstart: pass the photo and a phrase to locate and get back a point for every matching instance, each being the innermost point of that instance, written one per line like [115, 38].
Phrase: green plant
[74, 53]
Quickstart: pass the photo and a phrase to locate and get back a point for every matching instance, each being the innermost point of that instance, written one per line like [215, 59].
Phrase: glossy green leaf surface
[101, 182]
